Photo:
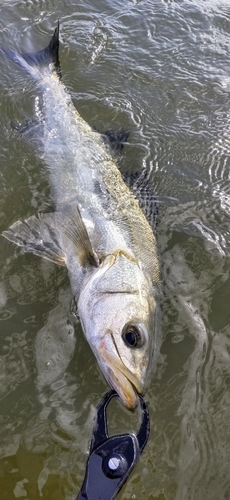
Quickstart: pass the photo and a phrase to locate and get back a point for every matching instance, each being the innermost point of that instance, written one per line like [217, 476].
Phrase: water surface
[160, 69]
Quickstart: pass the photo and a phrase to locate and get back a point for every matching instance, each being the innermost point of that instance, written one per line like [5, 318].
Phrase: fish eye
[132, 336]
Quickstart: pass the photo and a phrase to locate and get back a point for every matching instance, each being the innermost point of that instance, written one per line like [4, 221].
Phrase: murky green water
[162, 70]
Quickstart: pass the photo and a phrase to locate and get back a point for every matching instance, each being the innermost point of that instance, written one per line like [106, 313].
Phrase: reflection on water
[197, 411]
[160, 70]
[55, 343]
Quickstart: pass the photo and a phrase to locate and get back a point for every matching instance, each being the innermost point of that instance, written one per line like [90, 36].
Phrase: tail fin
[34, 63]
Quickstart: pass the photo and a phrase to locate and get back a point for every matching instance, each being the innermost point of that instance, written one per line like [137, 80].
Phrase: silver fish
[98, 231]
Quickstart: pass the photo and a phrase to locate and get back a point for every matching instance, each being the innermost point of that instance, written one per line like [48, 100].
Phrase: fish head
[118, 312]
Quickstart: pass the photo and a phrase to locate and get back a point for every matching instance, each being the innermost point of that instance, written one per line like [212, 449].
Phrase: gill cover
[117, 301]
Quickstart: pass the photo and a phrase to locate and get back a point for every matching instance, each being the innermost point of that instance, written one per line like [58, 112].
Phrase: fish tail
[36, 63]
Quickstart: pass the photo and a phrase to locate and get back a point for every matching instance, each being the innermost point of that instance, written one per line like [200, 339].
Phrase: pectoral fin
[32, 130]
[54, 236]
[38, 235]
[74, 228]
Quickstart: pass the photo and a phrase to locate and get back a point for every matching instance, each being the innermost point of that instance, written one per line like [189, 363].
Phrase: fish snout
[119, 377]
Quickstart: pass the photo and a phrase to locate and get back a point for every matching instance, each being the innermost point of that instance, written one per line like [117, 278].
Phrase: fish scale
[98, 231]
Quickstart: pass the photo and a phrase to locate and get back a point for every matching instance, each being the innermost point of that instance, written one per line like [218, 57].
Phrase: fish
[100, 230]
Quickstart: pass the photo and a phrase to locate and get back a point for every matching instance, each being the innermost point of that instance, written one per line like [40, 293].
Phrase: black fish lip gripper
[111, 459]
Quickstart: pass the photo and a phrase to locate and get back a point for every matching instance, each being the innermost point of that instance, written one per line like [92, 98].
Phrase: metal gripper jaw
[111, 459]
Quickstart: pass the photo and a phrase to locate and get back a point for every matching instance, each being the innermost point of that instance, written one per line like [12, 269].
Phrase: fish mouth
[120, 378]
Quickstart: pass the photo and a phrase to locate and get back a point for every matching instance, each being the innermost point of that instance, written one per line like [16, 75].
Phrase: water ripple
[160, 70]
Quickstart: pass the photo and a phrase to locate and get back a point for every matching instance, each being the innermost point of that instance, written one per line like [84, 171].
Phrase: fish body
[98, 231]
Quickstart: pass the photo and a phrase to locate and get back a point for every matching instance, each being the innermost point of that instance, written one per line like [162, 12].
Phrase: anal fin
[116, 139]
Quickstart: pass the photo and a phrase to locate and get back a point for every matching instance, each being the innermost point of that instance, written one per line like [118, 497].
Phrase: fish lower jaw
[124, 388]
[118, 375]
[122, 380]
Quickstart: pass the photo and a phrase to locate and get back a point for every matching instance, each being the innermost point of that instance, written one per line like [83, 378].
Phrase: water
[161, 70]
